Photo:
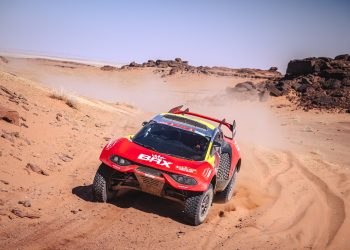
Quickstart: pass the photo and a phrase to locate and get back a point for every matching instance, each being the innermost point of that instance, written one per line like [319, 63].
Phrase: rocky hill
[316, 83]
[178, 66]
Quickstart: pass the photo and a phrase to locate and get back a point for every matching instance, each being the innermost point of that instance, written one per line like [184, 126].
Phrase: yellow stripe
[210, 158]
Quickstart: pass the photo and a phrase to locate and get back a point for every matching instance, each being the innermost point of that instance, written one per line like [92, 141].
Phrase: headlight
[182, 179]
[119, 160]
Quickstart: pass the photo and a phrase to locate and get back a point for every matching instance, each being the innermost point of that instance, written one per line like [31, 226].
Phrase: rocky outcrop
[178, 66]
[317, 82]
[108, 68]
[14, 97]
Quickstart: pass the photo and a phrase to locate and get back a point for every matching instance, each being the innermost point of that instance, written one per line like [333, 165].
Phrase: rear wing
[231, 127]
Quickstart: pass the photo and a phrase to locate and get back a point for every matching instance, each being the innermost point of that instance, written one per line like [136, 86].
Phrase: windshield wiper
[145, 146]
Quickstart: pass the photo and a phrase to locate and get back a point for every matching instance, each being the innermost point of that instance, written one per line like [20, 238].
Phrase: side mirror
[144, 123]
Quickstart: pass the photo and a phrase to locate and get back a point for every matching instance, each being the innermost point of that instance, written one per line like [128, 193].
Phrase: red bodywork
[202, 171]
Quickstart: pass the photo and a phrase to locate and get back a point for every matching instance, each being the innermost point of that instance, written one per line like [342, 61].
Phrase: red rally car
[176, 155]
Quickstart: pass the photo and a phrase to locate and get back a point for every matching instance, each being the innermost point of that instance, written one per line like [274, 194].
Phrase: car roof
[198, 126]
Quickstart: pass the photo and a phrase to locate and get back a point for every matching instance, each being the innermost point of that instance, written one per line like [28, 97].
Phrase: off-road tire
[224, 167]
[197, 207]
[227, 193]
[101, 185]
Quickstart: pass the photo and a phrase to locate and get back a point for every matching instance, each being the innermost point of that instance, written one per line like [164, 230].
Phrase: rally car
[176, 155]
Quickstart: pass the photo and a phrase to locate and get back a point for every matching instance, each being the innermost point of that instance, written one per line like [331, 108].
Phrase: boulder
[9, 115]
[274, 91]
[161, 64]
[325, 59]
[300, 67]
[305, 81]
[307, 66]
[335, 74]
[296, 85]
[25, 203]
[246, 86]
[174, 70]
[302, 88]
[107, 68]
[322, 65]
[150, 63]
[273, 69]
[134, 64]
[36, 169]
[331, 84]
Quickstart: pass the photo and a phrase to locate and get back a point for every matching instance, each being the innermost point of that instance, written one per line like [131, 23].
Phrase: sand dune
[292, 192]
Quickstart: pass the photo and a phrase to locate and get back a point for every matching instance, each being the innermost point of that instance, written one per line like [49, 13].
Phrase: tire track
[336, 205]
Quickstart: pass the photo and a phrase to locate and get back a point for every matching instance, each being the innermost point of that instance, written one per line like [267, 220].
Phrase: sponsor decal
[187, 169]
[158, 159]
[206, 172]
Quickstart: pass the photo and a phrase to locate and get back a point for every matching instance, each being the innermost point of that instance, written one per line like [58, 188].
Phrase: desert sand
[293, 190]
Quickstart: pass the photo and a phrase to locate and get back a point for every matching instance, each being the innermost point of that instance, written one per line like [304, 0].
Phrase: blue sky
[256, 34]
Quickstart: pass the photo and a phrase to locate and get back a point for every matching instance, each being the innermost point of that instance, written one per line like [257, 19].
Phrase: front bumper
[151, 180]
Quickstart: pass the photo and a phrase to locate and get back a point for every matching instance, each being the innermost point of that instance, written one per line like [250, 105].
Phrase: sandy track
[287, 197]
[289, 207]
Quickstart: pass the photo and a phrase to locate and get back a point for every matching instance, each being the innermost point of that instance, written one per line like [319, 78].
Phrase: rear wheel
[227, 193]
[197, 207]
[101, 187]
[224, 166]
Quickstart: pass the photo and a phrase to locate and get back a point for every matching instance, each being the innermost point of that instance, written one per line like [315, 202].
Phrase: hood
[136, 153]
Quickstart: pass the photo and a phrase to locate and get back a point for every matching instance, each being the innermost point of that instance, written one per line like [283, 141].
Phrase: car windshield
[172, 141]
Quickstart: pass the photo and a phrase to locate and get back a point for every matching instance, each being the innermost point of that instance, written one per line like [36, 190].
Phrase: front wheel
[101, 185]
[197, 206]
